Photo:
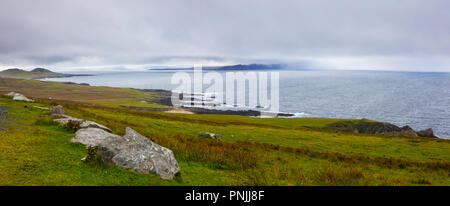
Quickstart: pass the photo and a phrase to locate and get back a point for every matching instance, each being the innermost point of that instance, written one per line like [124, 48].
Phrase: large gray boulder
[21, 97]
[92, 136]
[138, 153]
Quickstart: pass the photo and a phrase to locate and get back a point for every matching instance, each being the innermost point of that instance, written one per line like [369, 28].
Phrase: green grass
[38, 152]
[254, 151]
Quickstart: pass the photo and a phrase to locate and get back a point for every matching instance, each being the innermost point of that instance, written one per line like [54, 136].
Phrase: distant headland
[233, 67]
[37, 73]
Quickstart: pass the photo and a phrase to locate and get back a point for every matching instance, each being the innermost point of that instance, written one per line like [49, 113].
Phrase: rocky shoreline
[164, 98]
[362, 127]
[359, 127]
[63, 76]
[371, 127]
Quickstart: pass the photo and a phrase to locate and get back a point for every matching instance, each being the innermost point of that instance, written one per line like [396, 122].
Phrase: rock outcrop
[210, 135]
[133, 151]
[66, 119]
[80, 123]
[383, 128]
[57, 111]
[21, 97]
[426, 133]
[407, 131]
[138, 153]
[91, 124]
[92, 136]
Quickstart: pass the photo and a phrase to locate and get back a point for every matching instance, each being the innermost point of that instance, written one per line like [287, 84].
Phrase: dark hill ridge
[37, 73]
[40, 70]
[249, 67]
[234, 67]
[14, 70]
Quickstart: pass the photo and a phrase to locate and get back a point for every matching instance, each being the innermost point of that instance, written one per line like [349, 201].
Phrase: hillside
[33, 74]
[253, 151]
[247, 67]
[234, 67]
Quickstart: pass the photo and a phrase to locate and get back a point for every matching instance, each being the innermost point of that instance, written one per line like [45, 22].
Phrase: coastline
[62, 76]
[164, 98]
[363, 127]
[140, 101]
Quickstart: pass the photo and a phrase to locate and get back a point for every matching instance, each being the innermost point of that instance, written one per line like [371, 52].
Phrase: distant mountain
[234, 67]
[37, 73]
[13, 72]
[41, 70]
[248, 67]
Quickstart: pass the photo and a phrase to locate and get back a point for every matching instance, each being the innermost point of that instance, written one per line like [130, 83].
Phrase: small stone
[57, 111]
[210, 135]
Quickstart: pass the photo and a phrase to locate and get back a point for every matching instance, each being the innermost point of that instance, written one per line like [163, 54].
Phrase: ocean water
[421, 100]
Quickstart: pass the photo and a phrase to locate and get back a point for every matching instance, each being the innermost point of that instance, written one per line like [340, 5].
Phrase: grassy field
[253, 151]
[77, 93]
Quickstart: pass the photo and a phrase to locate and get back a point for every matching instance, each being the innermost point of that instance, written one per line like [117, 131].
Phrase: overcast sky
[341, 34]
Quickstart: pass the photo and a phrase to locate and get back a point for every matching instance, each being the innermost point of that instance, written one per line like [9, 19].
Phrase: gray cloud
[63, 33]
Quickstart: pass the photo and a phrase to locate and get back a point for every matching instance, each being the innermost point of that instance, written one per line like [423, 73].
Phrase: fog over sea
[421, 100]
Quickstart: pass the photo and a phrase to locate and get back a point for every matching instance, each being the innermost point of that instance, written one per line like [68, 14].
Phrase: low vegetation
[79, 94]
[269, 151]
